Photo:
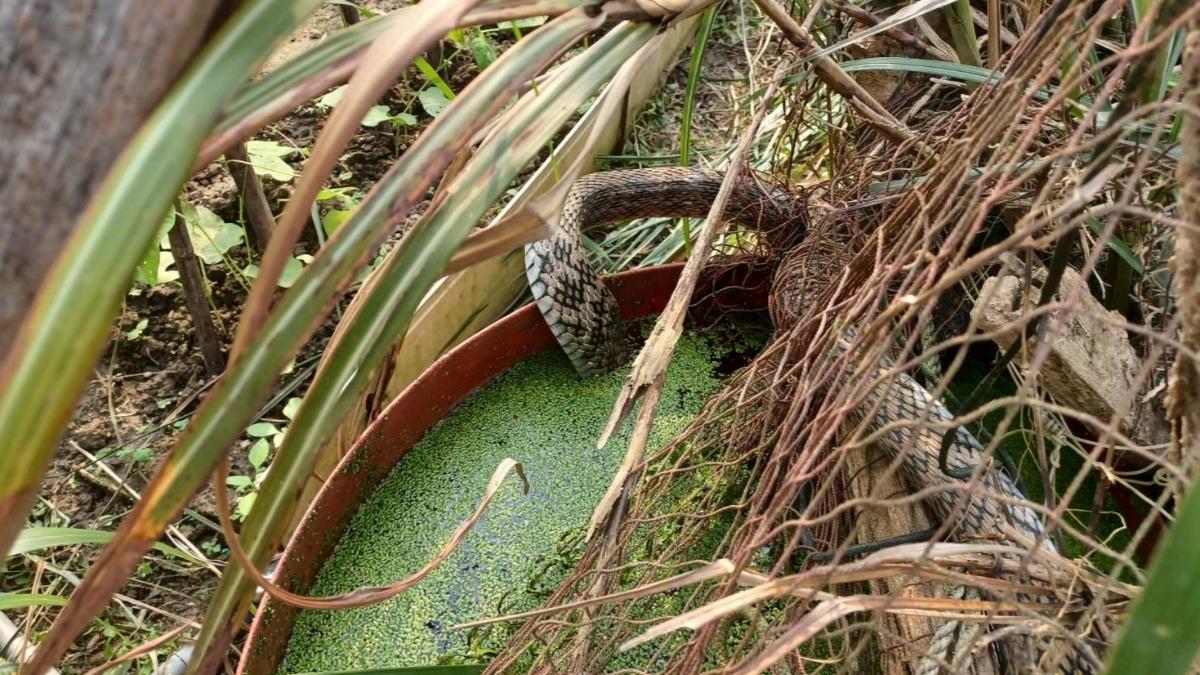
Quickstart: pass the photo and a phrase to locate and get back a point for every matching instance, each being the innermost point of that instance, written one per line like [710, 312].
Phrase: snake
[908, 422]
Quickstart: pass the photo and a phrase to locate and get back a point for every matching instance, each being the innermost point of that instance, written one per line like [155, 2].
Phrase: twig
[119, 486]
[258, 210]
[194, 295]
[870, 20]
[840, 81]
[650, 367]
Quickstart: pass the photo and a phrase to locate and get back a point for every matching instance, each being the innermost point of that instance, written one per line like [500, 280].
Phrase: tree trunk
[79, 77]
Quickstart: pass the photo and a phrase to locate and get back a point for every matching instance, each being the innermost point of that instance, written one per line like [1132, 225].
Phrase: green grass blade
[954, 71]
[33, 539]
[962, 30]
[68, 324]
[1118, 246]
[23, 600]
[422, 251]
[261, 92]
[1160, 635]
[330, 63]
[434, 78]
[689, 104]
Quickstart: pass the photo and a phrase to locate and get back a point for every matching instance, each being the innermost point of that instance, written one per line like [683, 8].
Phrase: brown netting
[922, 267]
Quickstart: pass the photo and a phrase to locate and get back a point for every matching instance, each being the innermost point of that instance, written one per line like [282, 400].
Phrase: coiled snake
[583, 316]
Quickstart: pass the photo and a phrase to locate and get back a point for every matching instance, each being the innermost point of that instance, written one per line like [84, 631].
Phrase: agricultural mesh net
[810, 486]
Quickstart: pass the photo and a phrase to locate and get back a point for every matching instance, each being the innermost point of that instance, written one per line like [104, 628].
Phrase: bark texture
[1183, 398]
[77, 78]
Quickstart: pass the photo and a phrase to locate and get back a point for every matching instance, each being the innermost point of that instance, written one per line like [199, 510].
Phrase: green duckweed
[540, 413]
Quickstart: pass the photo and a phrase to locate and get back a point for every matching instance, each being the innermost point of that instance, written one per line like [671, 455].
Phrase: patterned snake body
[579, 310]
[583, 316]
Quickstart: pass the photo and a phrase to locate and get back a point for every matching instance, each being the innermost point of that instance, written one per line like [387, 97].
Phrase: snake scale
[583, 316]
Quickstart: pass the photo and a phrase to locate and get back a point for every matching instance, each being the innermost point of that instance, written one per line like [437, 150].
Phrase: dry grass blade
[536, 220]
[532, 223]
[762, 475]
[841, 82]
[897, 560]
[903, 15]
[713, 570]
[369, 595]
[832, 608]
[650, 368]
[383, 62]
[329, 67]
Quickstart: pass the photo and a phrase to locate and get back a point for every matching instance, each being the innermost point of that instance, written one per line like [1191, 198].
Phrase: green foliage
[1160, 635]
[375, 116]
[34, 539]
[135, 333]
[211, 237]
[433, 100]
[266, 438]
[267, 159]
[23, 600]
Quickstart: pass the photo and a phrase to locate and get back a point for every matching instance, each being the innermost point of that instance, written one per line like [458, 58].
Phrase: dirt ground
[152, 378]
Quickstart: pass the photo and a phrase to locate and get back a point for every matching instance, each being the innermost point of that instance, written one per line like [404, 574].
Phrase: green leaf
[375, 115]
[404, 119]
[342, 193]
[211, 236]
[291, 272]
[334, 219]
[267, 159]
[165, 274]
[150, 269]
[244, 504]
[482, 49]
[147, 270]
[434, 78]
[261, 430]
[433, 101]
[332, 98]
[137, 454]
[136, 331]
[290, 408]
[33, 539]
[258, 453]
[1118, 246]
[1160, 636]
[21, 600]
[239, 483]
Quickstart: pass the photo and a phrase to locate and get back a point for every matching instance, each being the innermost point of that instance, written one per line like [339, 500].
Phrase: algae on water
[539, 413]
